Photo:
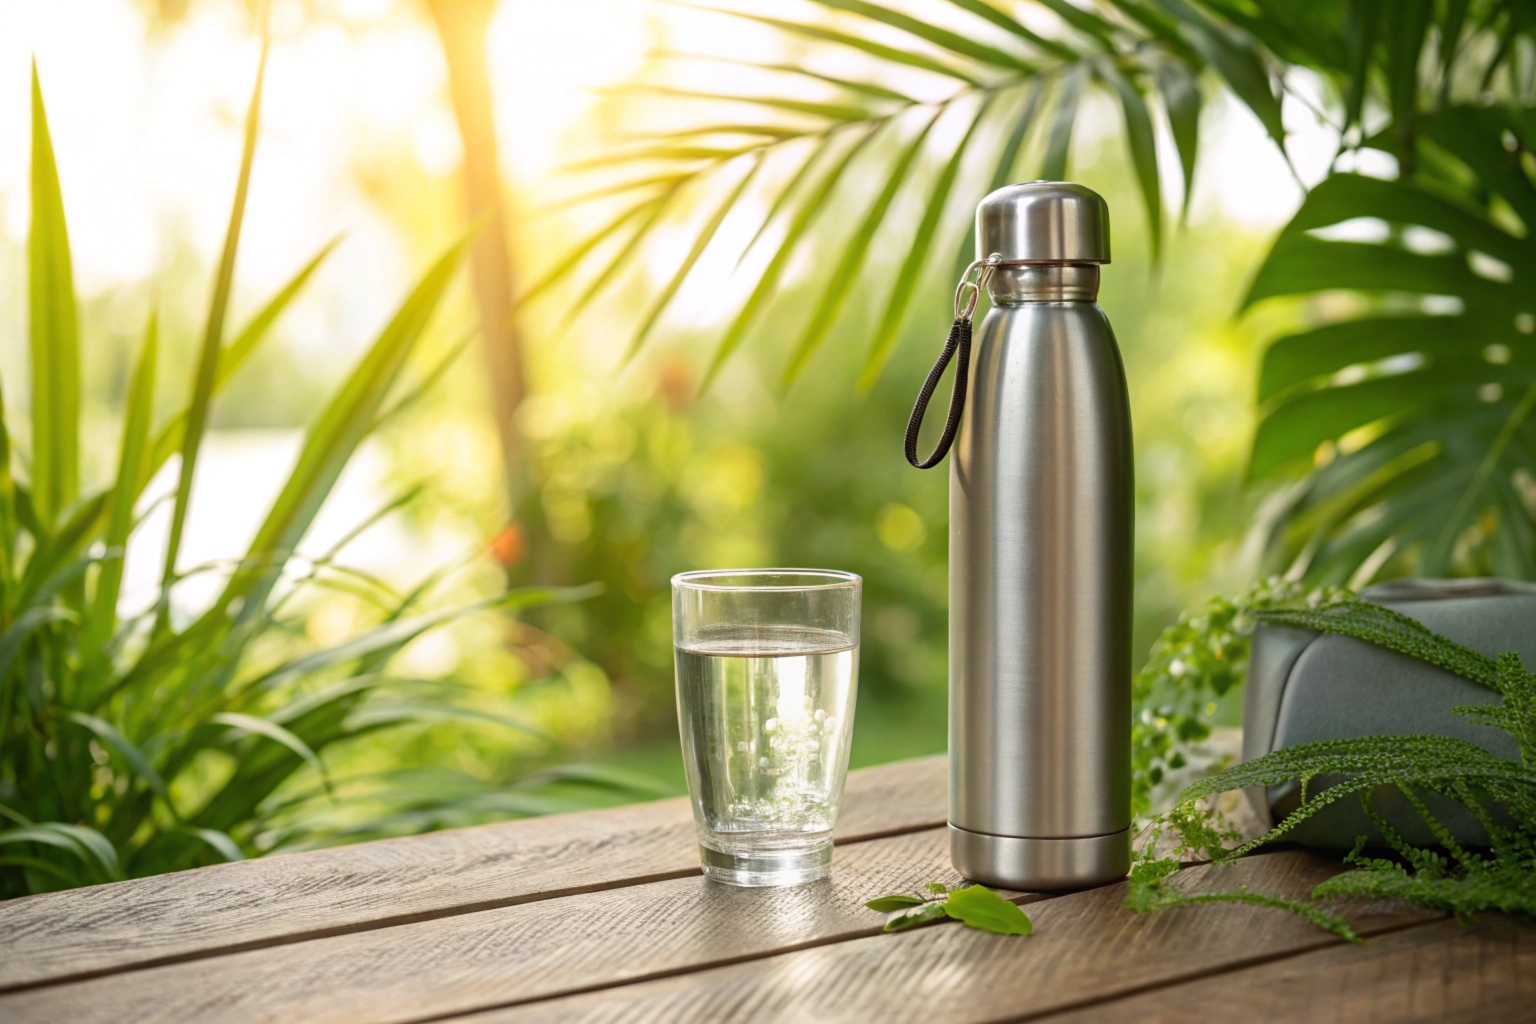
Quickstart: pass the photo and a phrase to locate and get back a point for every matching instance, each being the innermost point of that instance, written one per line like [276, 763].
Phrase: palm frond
[1141, 56]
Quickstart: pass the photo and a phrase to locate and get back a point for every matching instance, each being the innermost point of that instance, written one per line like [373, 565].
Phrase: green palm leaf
[955, 43]
[1143, 146]
[840, 283]
[1420, 424]
[801, 219]
[1070, 91]
[917, 256]
[700, 243]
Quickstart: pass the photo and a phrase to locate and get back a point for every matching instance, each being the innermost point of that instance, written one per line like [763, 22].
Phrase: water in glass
[766, 717]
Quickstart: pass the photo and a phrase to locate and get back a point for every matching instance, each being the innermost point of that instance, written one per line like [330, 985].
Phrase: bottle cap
[1043, 222]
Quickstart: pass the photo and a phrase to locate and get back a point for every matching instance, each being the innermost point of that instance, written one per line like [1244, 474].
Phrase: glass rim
[695, 579]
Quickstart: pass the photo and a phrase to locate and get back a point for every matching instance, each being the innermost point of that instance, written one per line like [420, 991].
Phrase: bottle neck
[1011, 285]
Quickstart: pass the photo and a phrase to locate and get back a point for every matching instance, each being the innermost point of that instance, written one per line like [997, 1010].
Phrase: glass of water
[767, 671]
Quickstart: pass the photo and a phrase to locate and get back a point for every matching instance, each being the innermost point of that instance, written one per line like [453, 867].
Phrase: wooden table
[604, 916]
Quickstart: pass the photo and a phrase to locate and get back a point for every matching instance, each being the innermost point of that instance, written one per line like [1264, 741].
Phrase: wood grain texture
[1086, 948]
[528, 951]
[216, 910]
[1441, 971]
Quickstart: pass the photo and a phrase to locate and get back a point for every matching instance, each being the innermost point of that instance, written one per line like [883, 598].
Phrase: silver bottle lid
[1043, 222]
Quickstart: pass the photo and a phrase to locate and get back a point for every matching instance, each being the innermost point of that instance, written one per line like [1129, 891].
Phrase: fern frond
[1447, 876]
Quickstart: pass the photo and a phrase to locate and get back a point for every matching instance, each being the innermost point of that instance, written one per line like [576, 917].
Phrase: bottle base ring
[1040, 865]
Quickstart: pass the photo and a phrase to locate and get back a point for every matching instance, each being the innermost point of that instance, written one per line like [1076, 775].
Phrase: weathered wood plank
[1086, 948]
[230, 907]
[1441, 971]
[528, 951]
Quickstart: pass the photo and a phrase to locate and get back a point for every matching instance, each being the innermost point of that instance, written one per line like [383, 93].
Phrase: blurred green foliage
[163, 738]
[637, 471]
[1394, 421]
[639, 477]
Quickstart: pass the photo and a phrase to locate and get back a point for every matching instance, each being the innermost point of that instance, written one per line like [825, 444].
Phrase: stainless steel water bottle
[1040, 547]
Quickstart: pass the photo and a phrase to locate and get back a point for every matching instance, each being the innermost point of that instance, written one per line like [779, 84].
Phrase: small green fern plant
[1194, 664]
[1499, 793]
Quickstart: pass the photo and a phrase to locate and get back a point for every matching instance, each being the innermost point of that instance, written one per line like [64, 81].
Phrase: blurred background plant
[1394, 432]
[712, 265]
[162, 739]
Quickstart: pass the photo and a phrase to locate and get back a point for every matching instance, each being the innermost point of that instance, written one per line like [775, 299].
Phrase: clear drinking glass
[767, 671]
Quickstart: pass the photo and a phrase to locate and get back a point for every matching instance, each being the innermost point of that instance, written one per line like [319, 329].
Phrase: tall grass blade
[234, 356]
[113, 737]
[130, 469]
[429, 380]
[9, 532]
[220, 841]
[272, 731]
[393, 635]
[53, 331]
[56, 551]
[85, 843]
[336, 435]
[213, 333]
[24, 625]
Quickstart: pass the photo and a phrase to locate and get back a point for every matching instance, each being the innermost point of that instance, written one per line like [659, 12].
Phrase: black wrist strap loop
[959, 341]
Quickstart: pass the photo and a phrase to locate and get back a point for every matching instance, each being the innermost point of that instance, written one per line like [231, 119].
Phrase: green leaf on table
[982, 908]
[975, 905]
[886, 904]
[927, 913]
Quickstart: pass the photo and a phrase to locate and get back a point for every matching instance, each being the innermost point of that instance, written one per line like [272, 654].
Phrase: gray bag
[1305, 686]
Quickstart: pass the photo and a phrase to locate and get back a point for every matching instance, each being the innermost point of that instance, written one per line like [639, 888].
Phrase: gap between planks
[1103, 1000]
[227, 909]
[1087, 946]
[1483, 969]
[1235, 967]
[465, 963]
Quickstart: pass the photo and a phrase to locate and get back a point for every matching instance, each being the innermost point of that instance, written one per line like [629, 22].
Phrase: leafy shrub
[138, 745]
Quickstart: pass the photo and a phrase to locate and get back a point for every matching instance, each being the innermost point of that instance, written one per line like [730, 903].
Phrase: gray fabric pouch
[1305, 686]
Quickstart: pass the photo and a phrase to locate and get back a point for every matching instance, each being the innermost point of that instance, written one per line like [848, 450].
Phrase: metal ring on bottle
[968, 292]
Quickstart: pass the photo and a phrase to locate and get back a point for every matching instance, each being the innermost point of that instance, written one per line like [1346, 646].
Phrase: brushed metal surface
[1041, 492]
[1047, 864]
[1044, 221]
